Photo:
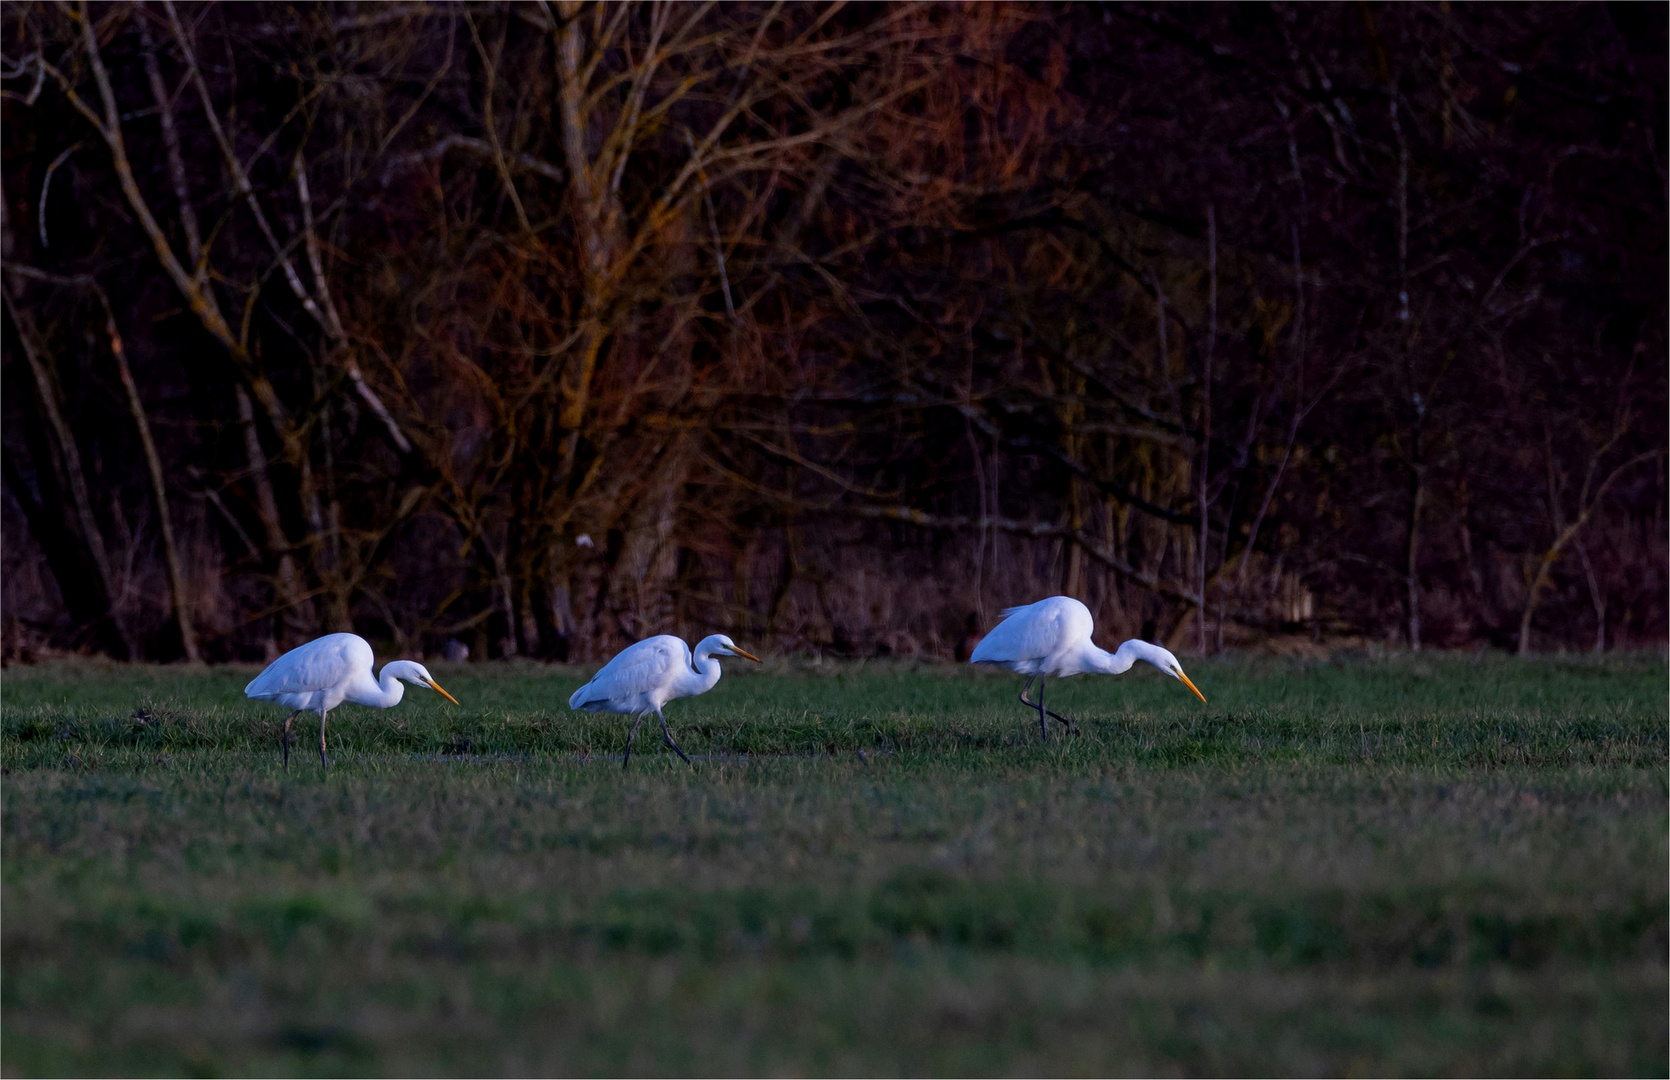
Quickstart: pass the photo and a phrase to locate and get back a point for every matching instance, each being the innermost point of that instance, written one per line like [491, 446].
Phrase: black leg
[633, 731]
[1043, 728]
[323, 762]
[1063, 720]
[668, 737]
[284, 739]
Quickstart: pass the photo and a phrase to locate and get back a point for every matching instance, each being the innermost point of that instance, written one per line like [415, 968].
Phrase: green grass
[1445, 865]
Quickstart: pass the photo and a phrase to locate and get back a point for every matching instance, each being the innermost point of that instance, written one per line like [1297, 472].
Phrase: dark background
[545, 327]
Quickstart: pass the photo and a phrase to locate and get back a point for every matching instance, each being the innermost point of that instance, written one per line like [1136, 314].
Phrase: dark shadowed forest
[535, 328]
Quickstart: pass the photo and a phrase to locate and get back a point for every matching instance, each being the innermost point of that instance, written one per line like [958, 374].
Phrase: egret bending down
[327, 671]
[643, 677]
[1052, 637]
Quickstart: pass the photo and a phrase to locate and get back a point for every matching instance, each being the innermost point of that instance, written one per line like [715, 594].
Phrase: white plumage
[327, 671]
[1052, 638]
[643, 677]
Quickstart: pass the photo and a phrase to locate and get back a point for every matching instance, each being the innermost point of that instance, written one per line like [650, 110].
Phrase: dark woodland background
[541, 327]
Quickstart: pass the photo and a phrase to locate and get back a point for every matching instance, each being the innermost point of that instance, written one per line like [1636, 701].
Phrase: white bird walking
[327, 671]
[643, 677]
[1052, 637]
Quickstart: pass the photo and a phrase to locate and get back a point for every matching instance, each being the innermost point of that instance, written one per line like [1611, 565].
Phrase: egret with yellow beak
[1052, 638]
[319, 676]
[643, 677]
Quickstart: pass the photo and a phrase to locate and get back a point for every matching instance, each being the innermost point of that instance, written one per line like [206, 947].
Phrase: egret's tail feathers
[578, 698]
[1008, 611]
[261, 688]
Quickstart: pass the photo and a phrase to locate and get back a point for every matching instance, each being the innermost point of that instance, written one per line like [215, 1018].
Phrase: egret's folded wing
[327, 661]
[1009, 640]
[636, 669]
[1032, 632]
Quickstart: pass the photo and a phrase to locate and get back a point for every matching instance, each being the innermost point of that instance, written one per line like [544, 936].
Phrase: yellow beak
[746, 655]
[435, 686]
[1191, 686]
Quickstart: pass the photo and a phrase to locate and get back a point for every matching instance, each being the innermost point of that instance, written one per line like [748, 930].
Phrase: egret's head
[1166, 662]
[722, 645]
[415, 673]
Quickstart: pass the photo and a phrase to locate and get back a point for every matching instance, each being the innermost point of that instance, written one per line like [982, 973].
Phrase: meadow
[1394, 865]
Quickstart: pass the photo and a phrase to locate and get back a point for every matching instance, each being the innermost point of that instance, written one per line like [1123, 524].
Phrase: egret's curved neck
[1118, 663]
[1134, 650]
[706, 675]
[387, 693]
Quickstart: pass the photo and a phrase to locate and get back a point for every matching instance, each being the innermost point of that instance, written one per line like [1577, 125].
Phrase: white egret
[327, 671]
[1052, 637]
[643, 677]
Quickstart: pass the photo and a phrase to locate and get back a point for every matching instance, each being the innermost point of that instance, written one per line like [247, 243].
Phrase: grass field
[1445, 865]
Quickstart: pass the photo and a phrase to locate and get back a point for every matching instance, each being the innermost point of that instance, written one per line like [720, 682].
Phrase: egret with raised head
[324, 673]
[1052, 638]
[643, 677]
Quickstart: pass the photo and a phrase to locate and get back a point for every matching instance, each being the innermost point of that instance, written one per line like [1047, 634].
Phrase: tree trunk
[286, 586]
[84, 577]
[1596, 598]
[1411, 557]
[159, 491]
[1072, 557]
[1206, 422]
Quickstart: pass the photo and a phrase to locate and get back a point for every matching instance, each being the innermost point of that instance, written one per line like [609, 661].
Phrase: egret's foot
[678, 751]
[1066, 722]
[667, 737]
[1071, 726]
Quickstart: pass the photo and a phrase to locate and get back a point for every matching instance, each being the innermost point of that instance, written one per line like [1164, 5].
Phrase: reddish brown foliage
[547, 326]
